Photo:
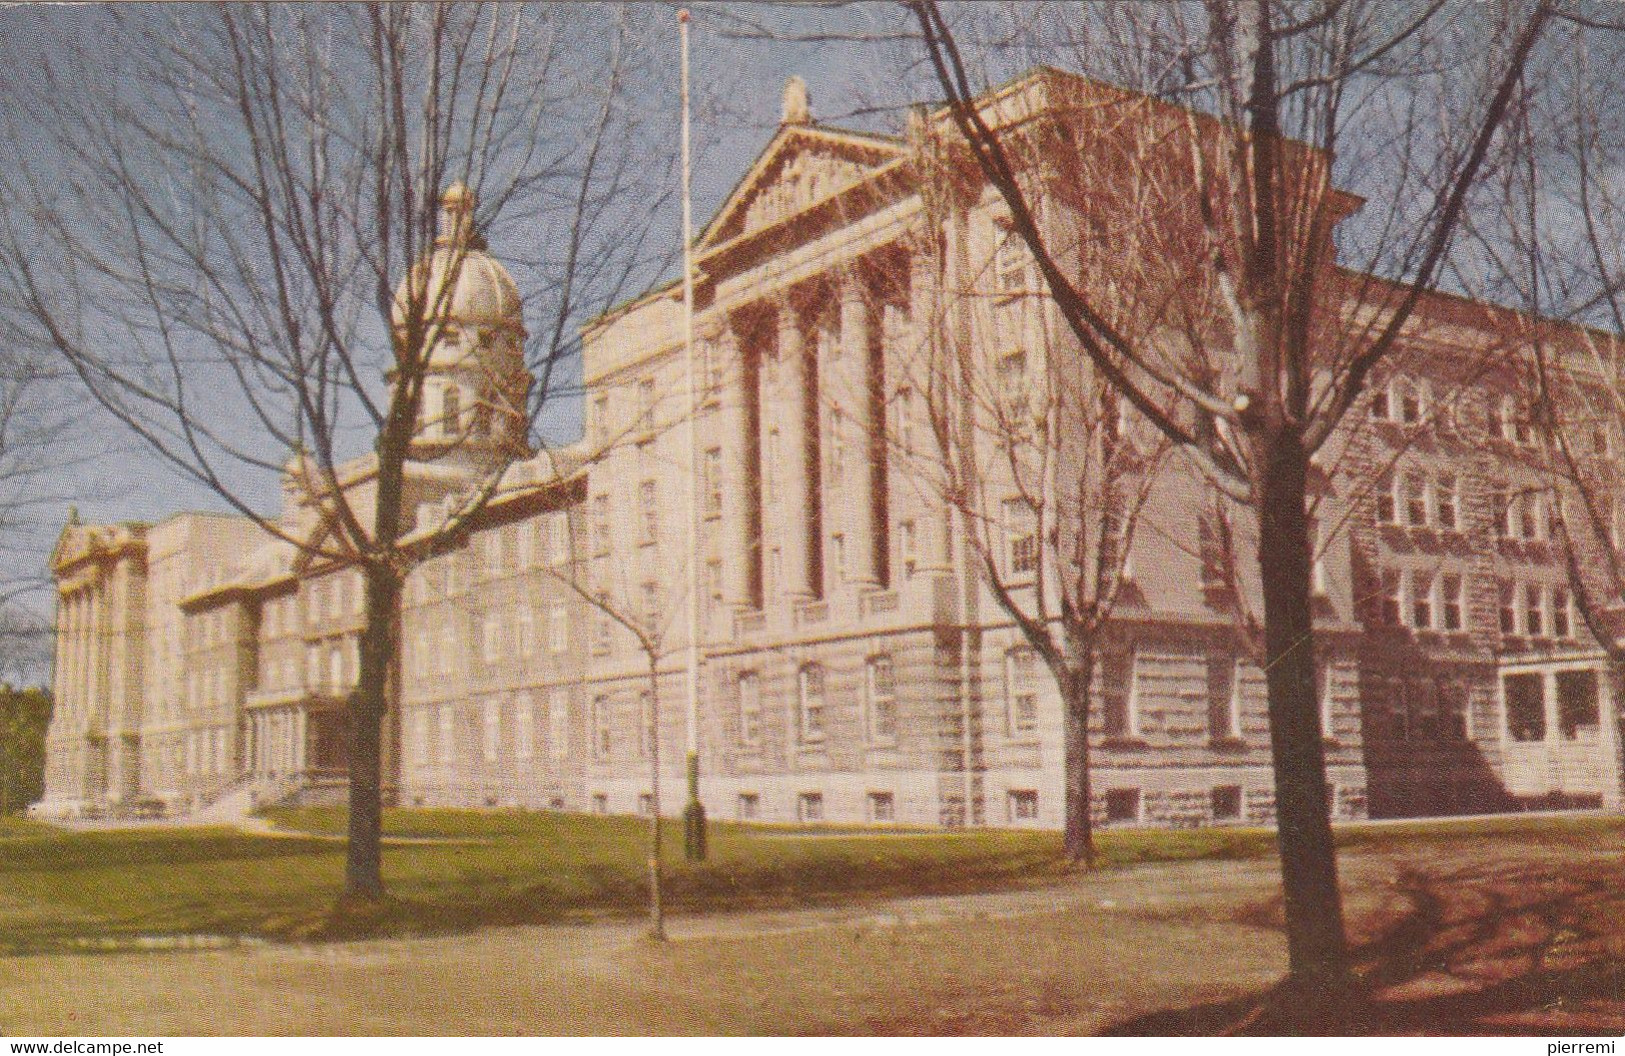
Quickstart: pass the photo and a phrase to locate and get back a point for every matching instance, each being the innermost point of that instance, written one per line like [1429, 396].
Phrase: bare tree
[647, 615]
[1047, 476]
[1550, 250]
[1224, 170]
[241, 247]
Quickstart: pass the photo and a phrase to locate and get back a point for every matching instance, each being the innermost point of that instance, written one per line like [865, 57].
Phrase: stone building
[852, 661]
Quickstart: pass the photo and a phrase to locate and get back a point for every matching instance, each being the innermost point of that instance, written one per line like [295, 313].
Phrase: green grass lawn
[452, 870]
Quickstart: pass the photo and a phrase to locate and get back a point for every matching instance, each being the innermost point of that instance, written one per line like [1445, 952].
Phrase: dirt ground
[1501, 936]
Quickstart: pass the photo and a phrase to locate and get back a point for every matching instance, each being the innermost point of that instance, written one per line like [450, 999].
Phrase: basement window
[1123, 806]
[1226, 802]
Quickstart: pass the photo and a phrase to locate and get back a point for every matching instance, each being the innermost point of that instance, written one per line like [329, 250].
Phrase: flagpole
[693, 811]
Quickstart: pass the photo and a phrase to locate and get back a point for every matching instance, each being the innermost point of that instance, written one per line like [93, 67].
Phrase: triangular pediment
[801, 166]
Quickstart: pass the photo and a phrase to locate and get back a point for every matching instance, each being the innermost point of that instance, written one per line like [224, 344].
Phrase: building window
[1223, 698]
[527, 631]
[1415, 500]
[445, 747]
[651, 606]
[1021, 538]
[882, 806]
[1452, 604]
[600, 727]
[1117, 693]
[1501, 510]
[713, 582]
[1413, 400]
[1447, 503]
[558, 724]
[811, 687]
[837, 444]
[1022, 805]
[1529, 522]
[810, 806]
[524, 727]
[493, 730]
[646, 403]
[558, 538]
[1534, 610]
[646, 724]
[882, 687]
[489, 638]
[712, 484]
[1562, 613]
[649, 513]
[749, 806]
[1381, 405]
[600, 419]
[600, 803]
[1507, 607]
[1021, 691]
[450, 411]
[600, 525]
[1014, 398]
[1517, 425]
[558, 628]
[420, 737]
[750, 709]
[646, 804]
[1010, 265]
[1422, 601]
[1387, 504]
[1393, 598]
[1526, 707]
[837, 546]
[1123, 806]
[1226, 802]
[603, 633]
[1577, 704]
[907, 547]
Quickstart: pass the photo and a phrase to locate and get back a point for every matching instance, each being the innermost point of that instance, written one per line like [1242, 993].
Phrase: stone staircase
[236, 801]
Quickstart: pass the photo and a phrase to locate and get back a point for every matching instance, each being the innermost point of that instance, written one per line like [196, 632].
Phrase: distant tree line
[24, 715]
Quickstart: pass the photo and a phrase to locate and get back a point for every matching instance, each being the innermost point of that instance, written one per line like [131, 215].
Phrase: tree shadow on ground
[1484, 949]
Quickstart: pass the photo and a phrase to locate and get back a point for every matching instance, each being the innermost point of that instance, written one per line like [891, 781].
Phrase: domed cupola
[476, 389]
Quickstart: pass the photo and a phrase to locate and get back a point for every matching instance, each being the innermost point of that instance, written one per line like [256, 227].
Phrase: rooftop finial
[796, 108]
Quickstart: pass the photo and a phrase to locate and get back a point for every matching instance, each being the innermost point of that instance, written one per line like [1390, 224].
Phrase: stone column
[926, 335]
[59, 661]
[733, 437]
[798, 448]
[854, 394]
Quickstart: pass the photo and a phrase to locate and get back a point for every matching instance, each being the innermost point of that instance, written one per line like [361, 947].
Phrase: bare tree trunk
[1314, 908]
[1076, 702]
[363, 877]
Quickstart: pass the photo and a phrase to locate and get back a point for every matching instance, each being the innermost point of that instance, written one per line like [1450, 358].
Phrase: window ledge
[1125, 744]
[1227, 744]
